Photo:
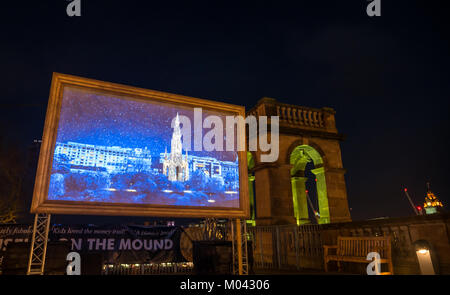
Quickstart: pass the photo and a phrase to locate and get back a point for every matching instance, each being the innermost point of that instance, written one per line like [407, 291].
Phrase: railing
[286, 247]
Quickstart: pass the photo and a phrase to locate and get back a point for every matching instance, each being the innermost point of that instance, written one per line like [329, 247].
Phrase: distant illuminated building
[179, 167]
[175, 165]
[211, 167]
[432, 204]
[85, 157]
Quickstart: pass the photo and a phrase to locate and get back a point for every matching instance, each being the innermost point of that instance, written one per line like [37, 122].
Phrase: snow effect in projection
[116, 150]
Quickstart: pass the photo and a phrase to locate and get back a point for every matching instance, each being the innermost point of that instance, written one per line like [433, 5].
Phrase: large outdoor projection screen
[110, 149]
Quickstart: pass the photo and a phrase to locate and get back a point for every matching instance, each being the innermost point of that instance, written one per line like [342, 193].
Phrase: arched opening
[309, 189]
[251, 187]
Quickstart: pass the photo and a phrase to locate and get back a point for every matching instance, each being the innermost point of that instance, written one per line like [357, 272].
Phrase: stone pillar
[322, 195]
[329, 119]
[337, 195]
[251, 196]
[273, 195]
[299, 199]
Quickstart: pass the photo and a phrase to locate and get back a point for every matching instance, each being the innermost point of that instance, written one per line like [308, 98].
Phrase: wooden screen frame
[41, 204]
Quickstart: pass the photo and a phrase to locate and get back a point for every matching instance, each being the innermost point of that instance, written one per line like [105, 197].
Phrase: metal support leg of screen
[36, 262]
[239, 245]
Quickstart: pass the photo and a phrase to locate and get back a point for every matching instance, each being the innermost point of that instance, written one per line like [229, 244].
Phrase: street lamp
[425, 257]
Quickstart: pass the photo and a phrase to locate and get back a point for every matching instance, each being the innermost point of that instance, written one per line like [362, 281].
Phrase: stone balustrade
[300, 116]
[294, 116]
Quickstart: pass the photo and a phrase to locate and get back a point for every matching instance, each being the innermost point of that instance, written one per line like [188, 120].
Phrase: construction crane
[411, 202]
[316, 213]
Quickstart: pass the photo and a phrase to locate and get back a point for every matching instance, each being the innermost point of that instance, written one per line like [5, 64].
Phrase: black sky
[387, 77]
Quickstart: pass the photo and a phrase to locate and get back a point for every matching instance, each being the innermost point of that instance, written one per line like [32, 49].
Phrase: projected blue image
[116, 150]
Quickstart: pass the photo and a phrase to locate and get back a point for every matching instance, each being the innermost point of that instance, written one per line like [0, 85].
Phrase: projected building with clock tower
[175, 165]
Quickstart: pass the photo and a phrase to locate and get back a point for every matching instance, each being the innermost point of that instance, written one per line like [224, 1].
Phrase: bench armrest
[327, 247]
[330, 246]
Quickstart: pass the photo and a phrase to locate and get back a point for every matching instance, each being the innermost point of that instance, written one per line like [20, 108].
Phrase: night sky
[387, 77]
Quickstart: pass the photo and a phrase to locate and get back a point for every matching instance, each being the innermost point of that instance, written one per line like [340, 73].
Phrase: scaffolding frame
[38, 250]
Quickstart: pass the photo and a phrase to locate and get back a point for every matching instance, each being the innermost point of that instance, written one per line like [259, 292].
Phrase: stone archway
[301, 157]
[314, 130]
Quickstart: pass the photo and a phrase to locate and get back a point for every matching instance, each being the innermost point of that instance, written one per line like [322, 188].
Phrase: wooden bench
[355, 249]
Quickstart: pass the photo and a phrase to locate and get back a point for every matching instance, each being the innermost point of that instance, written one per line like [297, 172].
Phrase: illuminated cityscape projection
[111, 149]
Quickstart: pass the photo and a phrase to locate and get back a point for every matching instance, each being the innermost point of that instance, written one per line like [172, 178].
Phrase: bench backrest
[361, 246]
